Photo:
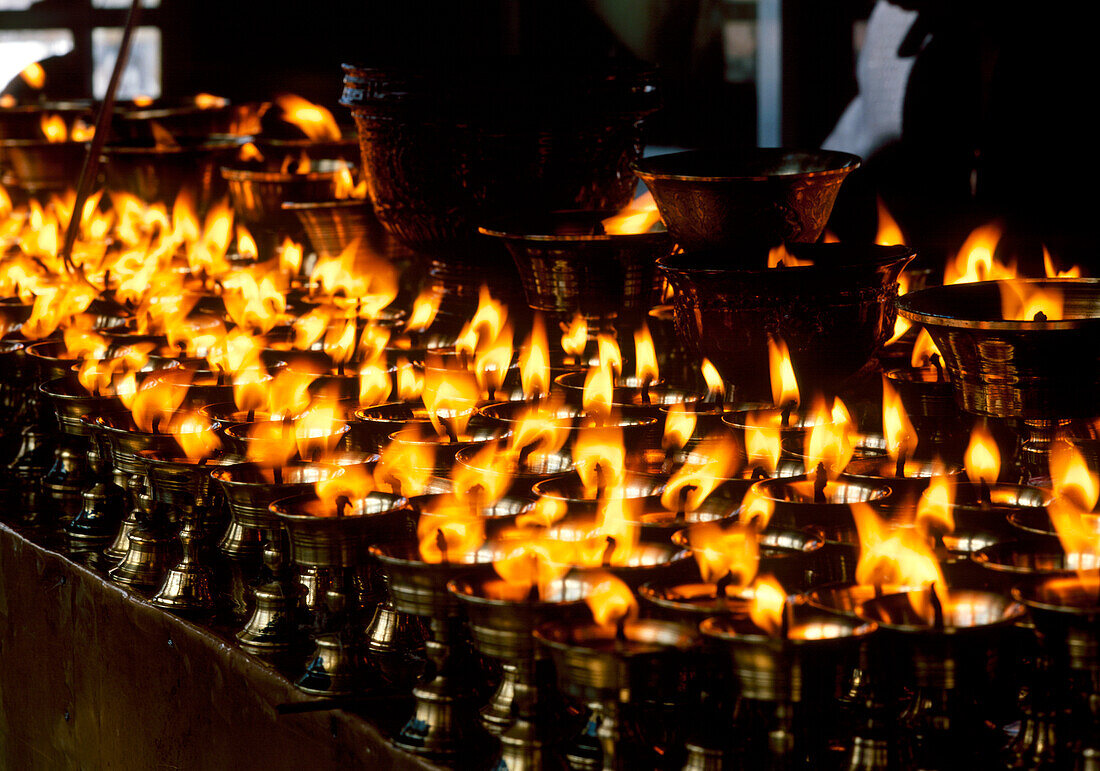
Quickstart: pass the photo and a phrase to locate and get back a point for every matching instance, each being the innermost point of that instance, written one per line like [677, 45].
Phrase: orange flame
[889, 234]
[639, 216]
[830, 440]
[975, 260]
[763, 443]
[531, 561]
[449, 532]
[195, 436]
[405, 468]
[756, 509]
[645, 356]
[34, 76]
[314, 120]
[290, 257]
[450, 397]
[725, 551]
[923, 349]
[784, 384]
[715, 385]
[901, 437]
[935, 510]
[769, 603]
[600, 458]
[610, 600]
[983, 457]
[534, 361]
[779, 257]
[715, 460]
[1080, 537]
[575, 336]
[53, 128]
[1073, 271]
[318, 430]
[351, 482]
[424, 311]
[485, 479]
[679, 426]
[1071, 476]
[896, 558]
[1021, 301]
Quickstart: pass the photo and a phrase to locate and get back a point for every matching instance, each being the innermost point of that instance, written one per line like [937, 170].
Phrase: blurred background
[968, 110]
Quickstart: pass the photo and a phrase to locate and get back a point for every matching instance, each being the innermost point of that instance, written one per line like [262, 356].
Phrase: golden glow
[923, 349]
[983, 457]
[425, 308]
[639, 216]
[714, 460]
[645, 356]
[679, 426]
[830, 440]
[769, 603]
[723, 552]
[610, 600]
[600, 459]
[534, 361]
[975, 260]
[784, 385]
[1071, 476]
[935, 507]
[34, 76]
[889, 234]
[901, 437]
[715, 385]
[1022, 301]
[314, 120]
[575, 336]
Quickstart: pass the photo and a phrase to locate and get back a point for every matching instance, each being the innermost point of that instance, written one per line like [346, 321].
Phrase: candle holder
[187, 119]
[1066, 612]
[159, 173]
[502, 619]
[942, 651]
[24, 121]
[433, 182]
[331, 226]
[745, 200]
[186, 486]
[928, 399]
[793, 675]
[258, 194]
[102, 503]
[142, 543]
[250, 490]
[614, 669]
[833, 315]
[569, 265]
[333, 536]
[442, 727]
[65, 482]
[796, 503]
[39, 166]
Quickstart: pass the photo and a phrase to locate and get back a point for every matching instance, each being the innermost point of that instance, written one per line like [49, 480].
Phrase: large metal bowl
[747, 200]
[448, 149]
[1033, 370]
[833, 315]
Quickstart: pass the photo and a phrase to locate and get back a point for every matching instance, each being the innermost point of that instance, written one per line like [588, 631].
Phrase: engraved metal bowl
[1032, 370]
[746, 200]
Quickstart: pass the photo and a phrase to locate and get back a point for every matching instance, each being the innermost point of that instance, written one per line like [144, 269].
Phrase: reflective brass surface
[1015, 369]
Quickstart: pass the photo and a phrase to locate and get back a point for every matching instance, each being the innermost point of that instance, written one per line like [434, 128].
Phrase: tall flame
[769, 603]
[645, 356]
[721, 552]
[901, 437]
[1071, 477]
[983, 457]
[314, 120]
[575, 336]
[679, 426]
[784, 385]
[534, 361]
[610, 600]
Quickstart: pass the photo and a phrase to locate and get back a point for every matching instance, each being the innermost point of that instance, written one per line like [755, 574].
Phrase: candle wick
[251, 415]
[1039, 316]
[758, 472]
[666, 467]
[620, 631]
[785, 415]
[937, 606]
[645, 391]
[684, 492]
[787, 619]
[899, 467]
[278, 475]
[342, 502]
[985, 497]
[722, 584]
[938, 364]
[821, 479]
[608, 551]
[441, 544]
[452, 435]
